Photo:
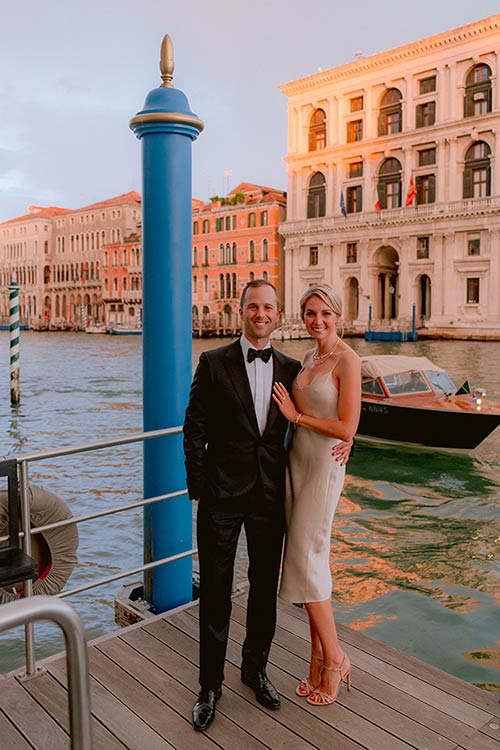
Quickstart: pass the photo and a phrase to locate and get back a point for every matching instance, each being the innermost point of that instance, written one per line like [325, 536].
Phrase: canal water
[415, 534]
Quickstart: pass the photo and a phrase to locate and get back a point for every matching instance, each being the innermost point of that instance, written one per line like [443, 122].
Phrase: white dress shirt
[260, 377]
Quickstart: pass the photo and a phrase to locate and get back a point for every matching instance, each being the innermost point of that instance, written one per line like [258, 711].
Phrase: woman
[325, 404]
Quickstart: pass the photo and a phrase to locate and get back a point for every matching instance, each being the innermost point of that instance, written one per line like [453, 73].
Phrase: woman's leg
[316, 663]
[322, 625]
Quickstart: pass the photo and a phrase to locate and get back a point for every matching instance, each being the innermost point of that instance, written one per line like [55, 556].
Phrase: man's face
[259, 314]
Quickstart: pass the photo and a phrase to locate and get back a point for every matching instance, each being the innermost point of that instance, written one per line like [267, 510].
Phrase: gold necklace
[319, 357]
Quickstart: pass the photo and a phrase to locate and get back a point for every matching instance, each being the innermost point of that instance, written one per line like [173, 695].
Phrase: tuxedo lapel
[278, 375]
[236, 370]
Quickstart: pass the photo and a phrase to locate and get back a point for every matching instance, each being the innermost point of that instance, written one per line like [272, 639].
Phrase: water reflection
[414, 535]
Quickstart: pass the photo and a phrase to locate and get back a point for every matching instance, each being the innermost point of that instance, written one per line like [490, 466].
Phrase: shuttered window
[426, 188]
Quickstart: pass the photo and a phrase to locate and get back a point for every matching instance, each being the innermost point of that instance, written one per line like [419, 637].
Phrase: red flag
[412, 191]
[376, 199]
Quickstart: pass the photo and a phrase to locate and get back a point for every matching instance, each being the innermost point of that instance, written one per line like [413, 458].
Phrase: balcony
[410, 214]
[133, 295]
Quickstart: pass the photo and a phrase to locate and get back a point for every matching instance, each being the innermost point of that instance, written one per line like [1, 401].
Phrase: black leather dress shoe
[264, 691]
[204, 708]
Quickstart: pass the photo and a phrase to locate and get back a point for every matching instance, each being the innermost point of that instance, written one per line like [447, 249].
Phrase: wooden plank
[406, 704]
[152, 709]
[54, 699]
[120, 720]
[299, 721]
[30, 719]
[460, 689]
[11, 739]
[347, 722]
[248, 718]
[407, 682]
[365, 705]
[248, 714]
[492, 729]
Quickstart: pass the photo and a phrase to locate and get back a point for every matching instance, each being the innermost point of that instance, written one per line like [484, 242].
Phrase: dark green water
[414, 538]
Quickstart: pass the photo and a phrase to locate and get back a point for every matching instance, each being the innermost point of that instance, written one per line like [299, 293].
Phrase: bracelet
[297, 419]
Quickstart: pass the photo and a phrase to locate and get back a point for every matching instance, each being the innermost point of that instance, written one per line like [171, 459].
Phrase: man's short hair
[255, 284]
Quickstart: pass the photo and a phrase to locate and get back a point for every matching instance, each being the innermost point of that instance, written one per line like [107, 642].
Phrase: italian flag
[376, 199]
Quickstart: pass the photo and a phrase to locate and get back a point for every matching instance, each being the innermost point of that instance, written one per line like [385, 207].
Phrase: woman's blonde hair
[326, 293]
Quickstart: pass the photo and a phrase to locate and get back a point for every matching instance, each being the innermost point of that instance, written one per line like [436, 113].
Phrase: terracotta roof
[47, 212]
[132, 197]
[248, 187]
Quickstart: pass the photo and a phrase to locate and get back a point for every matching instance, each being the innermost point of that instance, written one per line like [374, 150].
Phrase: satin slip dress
[314, 482]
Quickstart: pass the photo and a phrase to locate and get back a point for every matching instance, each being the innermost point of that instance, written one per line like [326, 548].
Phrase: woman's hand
[285, 403]
[341, 452]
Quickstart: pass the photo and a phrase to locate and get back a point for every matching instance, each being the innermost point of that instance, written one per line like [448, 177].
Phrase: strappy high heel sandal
[319, 698]
[305, 688]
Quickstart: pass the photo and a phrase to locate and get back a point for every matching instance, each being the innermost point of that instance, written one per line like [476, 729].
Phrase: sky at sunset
[74, 73]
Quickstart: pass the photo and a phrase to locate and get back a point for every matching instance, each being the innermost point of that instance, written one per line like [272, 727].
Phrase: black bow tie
[263, 354]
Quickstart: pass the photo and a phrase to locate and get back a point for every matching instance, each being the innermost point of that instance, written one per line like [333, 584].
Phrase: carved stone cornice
[400, 54]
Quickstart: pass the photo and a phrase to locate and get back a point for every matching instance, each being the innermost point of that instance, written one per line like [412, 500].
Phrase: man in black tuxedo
[234, 442]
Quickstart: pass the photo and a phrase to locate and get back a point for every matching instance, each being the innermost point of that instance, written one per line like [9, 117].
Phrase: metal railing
[24, 459]
[63, 614]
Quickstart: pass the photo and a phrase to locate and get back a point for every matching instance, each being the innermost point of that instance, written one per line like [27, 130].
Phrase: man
[234, 441]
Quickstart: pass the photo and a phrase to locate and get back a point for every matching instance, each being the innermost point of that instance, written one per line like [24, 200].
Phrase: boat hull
[445, 429]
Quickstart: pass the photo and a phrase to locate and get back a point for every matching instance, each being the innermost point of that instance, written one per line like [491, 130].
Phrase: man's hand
[341, 451]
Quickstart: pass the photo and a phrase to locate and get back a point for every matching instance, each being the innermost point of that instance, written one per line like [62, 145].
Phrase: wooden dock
[144, 683]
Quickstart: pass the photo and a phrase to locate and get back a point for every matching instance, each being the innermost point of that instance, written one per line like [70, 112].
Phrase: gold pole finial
[167, 62]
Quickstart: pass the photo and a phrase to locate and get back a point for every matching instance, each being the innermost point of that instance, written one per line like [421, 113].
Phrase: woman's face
[320, 320]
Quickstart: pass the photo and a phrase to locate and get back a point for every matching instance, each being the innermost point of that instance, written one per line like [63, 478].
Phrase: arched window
[205, 255]
[477, 98]
[235, 252]
[205, 283]
[205, 228]
[265, 250]
[251, 276]
[477, 171]
[221, 283]
[317, 130]
[389, 184]
[195, 256]
[234, 289]
[390, 118]
[316, 196]
[251, 220]
[228, 286]
[264, 275]
[221, 253]
[195, 284]
[228, 253]
[251, 251]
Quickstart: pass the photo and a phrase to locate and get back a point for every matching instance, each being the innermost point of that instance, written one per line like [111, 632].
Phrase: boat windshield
[406, 382]
[372, 386]
[441, 381]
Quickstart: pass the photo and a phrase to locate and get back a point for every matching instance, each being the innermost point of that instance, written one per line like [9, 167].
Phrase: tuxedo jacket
[226, 456]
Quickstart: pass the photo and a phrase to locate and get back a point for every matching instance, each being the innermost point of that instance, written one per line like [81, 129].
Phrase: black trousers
[218, 528]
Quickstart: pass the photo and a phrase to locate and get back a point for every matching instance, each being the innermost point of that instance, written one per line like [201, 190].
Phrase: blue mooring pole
[166, 126]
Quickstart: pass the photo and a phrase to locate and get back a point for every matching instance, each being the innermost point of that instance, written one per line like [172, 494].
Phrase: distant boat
[121, 329]
[412, 401]
[95, 329]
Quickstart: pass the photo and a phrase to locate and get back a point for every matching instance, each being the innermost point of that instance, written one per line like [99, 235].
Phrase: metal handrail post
[28, 585]
[49, 608]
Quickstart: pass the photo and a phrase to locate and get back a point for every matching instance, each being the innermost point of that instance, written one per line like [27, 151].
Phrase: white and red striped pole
[15, 389]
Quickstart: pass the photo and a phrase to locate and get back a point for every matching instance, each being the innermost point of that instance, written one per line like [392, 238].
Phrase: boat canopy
[390, 364]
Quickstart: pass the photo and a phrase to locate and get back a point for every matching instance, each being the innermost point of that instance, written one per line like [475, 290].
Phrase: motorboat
[122, 329]
[412, 401]
[97, 328]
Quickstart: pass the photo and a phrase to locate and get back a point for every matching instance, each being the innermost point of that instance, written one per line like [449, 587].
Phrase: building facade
[56, 256]
[394, 184]
[235, 239]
